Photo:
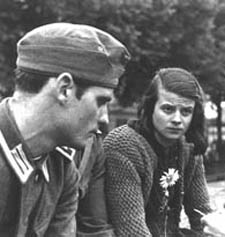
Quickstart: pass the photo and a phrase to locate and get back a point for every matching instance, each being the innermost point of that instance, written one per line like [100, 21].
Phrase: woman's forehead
[165, 96]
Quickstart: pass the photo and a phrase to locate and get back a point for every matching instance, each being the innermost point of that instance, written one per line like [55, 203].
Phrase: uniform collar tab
[19, 161]
[67, 152]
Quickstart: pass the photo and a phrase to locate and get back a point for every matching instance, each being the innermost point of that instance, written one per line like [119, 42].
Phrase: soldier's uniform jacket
[38, 197]
[92, 218]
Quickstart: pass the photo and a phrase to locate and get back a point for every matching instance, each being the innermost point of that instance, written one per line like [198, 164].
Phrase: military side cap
[88, 53]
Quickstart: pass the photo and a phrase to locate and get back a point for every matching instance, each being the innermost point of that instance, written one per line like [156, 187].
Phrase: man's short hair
[29, 82]
[34, 82]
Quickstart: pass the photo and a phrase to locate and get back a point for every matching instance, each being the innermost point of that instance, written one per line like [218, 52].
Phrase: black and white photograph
[112, 118]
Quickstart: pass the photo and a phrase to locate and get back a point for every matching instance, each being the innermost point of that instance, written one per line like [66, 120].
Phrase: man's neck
[33, 124]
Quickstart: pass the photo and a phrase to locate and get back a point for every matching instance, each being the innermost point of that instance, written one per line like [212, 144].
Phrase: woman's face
[172, 116]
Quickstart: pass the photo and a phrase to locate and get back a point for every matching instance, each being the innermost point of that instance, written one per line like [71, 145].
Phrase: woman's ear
[65, 85]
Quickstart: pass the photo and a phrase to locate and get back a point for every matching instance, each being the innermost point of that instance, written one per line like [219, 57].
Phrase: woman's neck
[163, 141]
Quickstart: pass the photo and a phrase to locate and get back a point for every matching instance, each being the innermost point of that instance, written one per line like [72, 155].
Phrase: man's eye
[102, 100]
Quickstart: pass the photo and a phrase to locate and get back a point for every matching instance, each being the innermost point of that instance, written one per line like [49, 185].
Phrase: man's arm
[63, 223]
[92, 218]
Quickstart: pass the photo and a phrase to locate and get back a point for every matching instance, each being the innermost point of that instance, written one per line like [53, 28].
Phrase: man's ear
[65, 84]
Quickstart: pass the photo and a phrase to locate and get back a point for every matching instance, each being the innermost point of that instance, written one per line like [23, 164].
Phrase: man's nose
[103, 115]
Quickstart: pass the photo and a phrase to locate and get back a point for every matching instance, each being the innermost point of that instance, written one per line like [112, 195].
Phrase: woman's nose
[177, 118]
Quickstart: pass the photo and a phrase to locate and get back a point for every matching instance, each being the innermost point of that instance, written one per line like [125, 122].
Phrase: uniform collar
[23, 167]
[15, 150]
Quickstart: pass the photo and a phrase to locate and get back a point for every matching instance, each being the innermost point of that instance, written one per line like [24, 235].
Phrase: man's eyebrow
[104, 99]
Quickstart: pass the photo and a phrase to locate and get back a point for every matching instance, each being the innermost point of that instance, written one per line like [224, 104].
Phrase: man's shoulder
[62, 158]
[61, 165]
[67, 153]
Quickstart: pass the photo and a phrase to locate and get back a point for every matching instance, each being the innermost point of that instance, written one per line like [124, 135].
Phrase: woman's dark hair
[183, 83]
[33, 82]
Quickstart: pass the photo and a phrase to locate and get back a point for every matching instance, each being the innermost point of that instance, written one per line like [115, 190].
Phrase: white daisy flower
[169, 178]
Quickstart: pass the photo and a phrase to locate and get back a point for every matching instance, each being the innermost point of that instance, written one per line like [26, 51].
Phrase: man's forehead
[101, 91]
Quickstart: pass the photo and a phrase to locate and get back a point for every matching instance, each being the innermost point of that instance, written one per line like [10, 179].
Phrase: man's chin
[82, 142]
[78, 145]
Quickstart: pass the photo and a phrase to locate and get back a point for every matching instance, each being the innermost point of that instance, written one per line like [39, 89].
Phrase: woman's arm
[196, 196]
[124, 196]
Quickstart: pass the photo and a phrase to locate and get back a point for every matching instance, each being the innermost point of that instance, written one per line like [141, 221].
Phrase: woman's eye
[186, 111]
[168, 109]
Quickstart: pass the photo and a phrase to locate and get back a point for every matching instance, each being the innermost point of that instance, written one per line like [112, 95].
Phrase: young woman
[155, 164]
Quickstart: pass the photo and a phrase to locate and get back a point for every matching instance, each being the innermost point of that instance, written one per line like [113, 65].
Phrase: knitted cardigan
[130, 164]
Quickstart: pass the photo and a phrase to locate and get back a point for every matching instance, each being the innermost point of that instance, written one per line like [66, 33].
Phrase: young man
[64, 79]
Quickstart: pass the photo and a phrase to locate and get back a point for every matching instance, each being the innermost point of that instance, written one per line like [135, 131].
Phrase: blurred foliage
[16, 18]
[158, 33]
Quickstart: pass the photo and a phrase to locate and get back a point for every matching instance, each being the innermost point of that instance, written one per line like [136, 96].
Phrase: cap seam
[23, 47]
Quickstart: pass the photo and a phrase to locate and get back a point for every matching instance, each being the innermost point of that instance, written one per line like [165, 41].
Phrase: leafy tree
[16, 18]
[215, 73]
[158, 33]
